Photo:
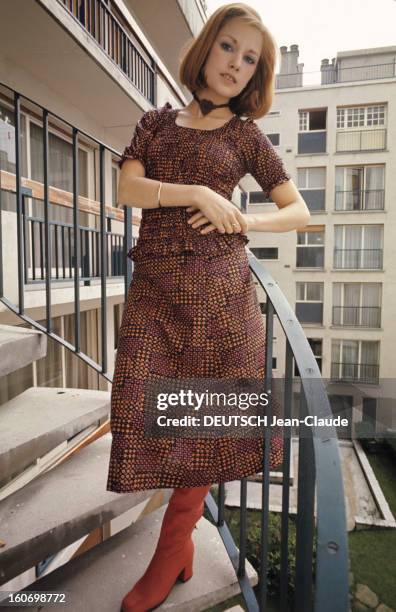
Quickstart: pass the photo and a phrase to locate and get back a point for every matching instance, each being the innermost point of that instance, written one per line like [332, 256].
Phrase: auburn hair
[255, 100]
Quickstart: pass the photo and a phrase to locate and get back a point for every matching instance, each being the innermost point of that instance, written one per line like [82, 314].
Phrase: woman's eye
[224, 44]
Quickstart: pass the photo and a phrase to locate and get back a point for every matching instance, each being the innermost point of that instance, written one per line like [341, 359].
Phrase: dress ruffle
[202, 245]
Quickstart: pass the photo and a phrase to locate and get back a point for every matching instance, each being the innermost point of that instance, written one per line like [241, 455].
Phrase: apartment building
[338, 142]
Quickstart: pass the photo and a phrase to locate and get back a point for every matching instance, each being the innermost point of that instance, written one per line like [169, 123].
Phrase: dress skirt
[191, 314]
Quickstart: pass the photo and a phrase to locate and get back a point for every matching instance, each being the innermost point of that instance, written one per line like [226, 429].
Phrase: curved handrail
[332, 545]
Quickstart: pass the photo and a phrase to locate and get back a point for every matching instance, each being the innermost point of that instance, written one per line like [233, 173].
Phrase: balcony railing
[355, 372]
[357, 316]
[336, 73]
[321, 568]
[356, 259]
[62, 242]
[97, 19]
[361, 140]
[360, 199]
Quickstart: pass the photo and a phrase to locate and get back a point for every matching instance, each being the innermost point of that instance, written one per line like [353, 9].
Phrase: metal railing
[357, 316]
[62, 243]
[368, 139]
[355, 372]
[357, 259]
[336, 73]
[321, 572]
[360, 199]
[97, 19]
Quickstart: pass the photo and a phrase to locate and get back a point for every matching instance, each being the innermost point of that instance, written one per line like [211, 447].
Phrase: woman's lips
[228, 79]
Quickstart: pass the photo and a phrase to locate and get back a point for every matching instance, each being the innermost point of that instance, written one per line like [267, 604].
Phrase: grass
[372, 551]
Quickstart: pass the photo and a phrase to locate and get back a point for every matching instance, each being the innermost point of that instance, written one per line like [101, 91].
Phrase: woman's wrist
[198, 195]
[251, 221]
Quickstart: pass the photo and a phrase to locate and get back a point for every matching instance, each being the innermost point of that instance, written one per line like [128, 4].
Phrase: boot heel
[186, 573]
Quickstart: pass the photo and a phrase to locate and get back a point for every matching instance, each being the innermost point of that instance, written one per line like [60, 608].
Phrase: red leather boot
[173, 557]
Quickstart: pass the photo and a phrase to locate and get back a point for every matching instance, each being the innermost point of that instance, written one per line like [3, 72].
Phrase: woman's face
[235, 51]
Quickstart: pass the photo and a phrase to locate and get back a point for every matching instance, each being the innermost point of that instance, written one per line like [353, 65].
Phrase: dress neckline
[184, 127]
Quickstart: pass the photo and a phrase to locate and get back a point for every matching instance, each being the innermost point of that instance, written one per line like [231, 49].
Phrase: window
[357, 304]
[360, 188]
[265, 252]
[311, 178]
[274, 138]
[309, 302]
[312, 184]
[257, 197]
[114, 184]
[60, 161]
[355, 360]
[360, 116]
[316, 346]
[310, 248]
[369, 411]
[358, 246]
[310, 120]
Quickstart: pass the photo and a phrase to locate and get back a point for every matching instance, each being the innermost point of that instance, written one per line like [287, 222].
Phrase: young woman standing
[192, 310]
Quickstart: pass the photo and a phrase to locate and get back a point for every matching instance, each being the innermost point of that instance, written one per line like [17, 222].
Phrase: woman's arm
[134, 189]
[293, 212]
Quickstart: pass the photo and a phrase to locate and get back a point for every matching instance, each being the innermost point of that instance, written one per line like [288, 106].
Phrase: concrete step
[59, 507]
[41, 418]
[97, 580]
[20, 346]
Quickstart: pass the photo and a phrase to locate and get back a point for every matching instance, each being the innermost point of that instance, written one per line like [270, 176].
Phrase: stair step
[59, 507]
[98, 579]
[20, 346]
[41, 418]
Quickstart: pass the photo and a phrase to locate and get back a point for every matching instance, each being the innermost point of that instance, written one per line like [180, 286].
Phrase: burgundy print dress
[192, 310]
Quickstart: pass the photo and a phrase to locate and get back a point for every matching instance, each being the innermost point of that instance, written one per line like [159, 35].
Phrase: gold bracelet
[158, 197]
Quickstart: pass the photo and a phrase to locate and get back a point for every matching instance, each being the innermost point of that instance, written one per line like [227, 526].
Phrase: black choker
[207, 105]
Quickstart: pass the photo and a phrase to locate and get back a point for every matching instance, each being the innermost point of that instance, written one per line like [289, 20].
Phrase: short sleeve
[262, 160]
[141, 138]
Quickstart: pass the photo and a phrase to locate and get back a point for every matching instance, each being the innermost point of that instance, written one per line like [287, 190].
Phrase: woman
[192, 311]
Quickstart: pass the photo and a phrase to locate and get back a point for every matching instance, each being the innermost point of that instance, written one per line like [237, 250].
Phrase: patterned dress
[192, 311]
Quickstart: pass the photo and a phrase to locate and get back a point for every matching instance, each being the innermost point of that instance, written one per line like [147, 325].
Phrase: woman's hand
[221, 214]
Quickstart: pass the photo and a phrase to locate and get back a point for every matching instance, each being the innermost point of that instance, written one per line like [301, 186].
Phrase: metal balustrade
[97, 19]
[357, 316]
[356, 259]
[360, 199]
[355, 372]
[62, 242]
[321, 586]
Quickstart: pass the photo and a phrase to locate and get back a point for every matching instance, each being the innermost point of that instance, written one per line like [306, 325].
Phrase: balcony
[358, 259]
[357, 316]
[360, 199]
[348, 141]
[97, 19]
[355, 372]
